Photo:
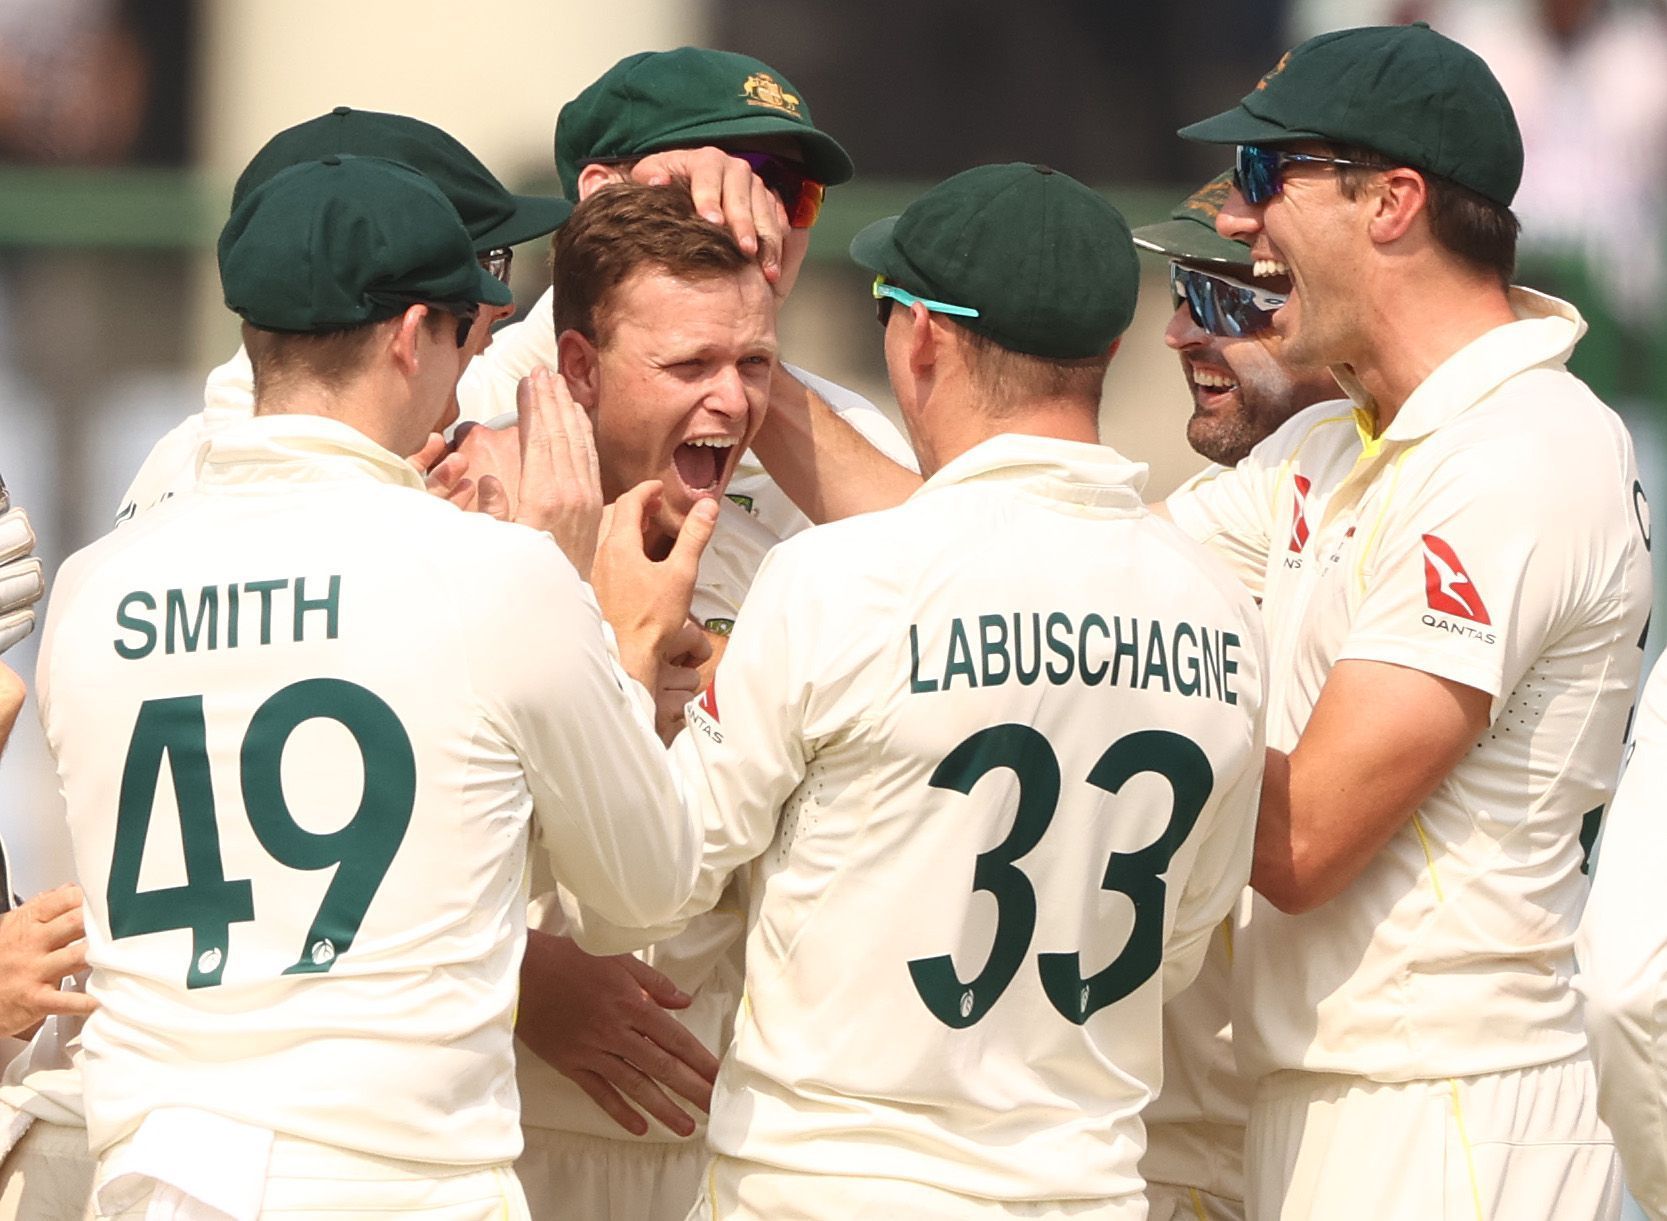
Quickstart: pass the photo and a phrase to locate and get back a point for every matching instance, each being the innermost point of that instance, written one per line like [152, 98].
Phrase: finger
[669, 1071]
[14, 627]
[580, 436]
[642, 1090]
[69, 960]
[22, 583]
[432, 451]
[741, 203]
[611, 1101]
[534, 427]
[659, 987]
[50, 905]
[771, 220]
[490, 497]
[707, 168]
[630, 510]
[695, 534]
[445, 474]
[690, 646]
[72, 1004]
[462, 494]
[64, 928]
[17, 536]
[675, 1038]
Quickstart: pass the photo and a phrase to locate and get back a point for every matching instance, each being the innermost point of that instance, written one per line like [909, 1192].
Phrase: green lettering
[1229, 665]
[917, 686]
[330, 604]
[146, 630]
[208, 616]
[1098, 676]
[1129, 648]
[1186, 672]
[1061, 649]
[1027, 676]
[960, 656]
[993, 647]
[1157, 661]
[265, 589]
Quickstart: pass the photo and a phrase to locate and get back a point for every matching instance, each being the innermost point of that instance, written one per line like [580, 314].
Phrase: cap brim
[1239, 126]
[827, 162]
[1192, 242]
[534, 216]
[872, 247]
[492, 291]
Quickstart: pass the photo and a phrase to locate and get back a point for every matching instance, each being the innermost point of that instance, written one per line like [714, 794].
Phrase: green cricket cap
[1404, 91]
[1047, 263]
[346, 240]
[1190, 232]
[692, 96]
[492, 214]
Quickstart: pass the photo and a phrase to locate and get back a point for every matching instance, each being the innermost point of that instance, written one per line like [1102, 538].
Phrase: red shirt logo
[709, 700]
[1299, 519]
[1447, 586]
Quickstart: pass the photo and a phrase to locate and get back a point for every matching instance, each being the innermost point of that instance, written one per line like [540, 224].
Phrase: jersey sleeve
[487, 388]
[862, 415]
[1622, 952]
[1230, 511]
[607, 809]
[1468, 576]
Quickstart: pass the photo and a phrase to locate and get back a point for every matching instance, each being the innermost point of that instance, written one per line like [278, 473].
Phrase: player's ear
[1398, 197]
[580, 364]
[594, 176]
[403, 339]
[924, 340]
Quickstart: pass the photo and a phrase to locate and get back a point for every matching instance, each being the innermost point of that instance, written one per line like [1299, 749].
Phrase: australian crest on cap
[761, 89]
[1277, 69]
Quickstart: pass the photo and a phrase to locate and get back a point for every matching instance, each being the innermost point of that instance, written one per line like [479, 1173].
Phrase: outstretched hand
[602, 1023]
[41, 942]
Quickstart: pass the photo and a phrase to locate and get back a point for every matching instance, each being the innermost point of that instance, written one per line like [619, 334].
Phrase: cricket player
[496, 219]
[305, 943]
[1242, 390]
[994, 799]
[1453, 568]
[602, 1059]
[1620, 950]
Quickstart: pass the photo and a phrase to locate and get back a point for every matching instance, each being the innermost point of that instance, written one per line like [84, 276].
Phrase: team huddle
[592, 767]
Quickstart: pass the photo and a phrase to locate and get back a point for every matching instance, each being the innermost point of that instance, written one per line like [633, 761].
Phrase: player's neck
[959, 428]
[362, 407]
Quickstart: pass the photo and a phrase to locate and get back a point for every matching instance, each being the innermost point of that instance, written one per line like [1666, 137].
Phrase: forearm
[828, 468]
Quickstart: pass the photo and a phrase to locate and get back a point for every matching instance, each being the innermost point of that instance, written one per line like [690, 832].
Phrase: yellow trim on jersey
[1227, 938]
[1365, 548]
[503, 1195]
[712, 1187]
[1469, 1157]
[1197, 1204]
[1429, 857]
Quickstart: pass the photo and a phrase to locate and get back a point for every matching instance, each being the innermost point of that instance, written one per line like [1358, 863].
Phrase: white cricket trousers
[592, 1178]
[746, 1191]
[312, 1182]
[48, 1174]
[1166, 1202]
[1516, 1146]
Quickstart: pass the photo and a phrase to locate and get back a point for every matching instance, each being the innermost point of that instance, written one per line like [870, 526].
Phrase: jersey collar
[298, 449]
[1061, 470]
[1544, 333]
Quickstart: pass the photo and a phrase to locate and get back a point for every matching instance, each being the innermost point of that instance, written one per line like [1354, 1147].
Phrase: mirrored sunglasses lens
[1256, 173]
[1222, 309]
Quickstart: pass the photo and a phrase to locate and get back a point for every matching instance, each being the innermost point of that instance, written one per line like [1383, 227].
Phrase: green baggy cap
[683, 99]
[1048, 263]
[1404, 91]
[1190, 232]
[342, 241]
[493, 215]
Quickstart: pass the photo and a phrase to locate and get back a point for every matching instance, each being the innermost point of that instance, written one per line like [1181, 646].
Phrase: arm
[1380, 739]
[40, 943]
[827, 467]
[1622, 950]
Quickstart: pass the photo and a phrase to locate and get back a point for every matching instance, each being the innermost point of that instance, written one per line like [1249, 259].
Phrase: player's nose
[1183, 330]
[727, 394]
[1238, 220]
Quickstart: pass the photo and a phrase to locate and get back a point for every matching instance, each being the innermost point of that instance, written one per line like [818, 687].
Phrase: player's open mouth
[702, 461]
[1210, 386]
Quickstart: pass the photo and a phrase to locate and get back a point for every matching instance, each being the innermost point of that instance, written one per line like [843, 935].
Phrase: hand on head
[726, 192]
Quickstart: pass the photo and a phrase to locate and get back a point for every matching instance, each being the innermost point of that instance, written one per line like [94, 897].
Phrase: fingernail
[716, 217]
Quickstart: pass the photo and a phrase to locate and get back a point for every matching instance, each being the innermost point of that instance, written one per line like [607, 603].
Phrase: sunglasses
[464, 311]
[1258, 172]
[799, 193]
[886, 295]
[1221, 305]
[495, 263]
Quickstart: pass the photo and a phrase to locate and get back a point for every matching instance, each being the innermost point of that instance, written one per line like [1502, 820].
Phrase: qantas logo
[709, 701]
[1447, 586]
[1299, 519]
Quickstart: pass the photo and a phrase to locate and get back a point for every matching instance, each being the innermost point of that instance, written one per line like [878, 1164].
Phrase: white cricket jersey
[993, 757]
[306, 717]
[1622, 949]
[1490, 536]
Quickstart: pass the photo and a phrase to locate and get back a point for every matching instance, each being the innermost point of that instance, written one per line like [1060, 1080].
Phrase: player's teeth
[713, 442]
[1206, 378]
[1270, 267]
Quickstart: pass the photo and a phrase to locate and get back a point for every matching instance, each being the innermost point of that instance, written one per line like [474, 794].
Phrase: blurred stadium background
[124, 122]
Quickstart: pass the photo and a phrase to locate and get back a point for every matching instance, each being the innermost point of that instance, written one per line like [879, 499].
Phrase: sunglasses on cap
[496, 262]
[1221, 305]
[1258, 172]
[885, 295]
[799, 193]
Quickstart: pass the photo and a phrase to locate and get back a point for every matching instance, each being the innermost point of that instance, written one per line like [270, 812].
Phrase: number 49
[209, 903]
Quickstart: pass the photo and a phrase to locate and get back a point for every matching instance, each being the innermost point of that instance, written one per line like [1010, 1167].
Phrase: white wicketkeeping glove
[22, 580]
